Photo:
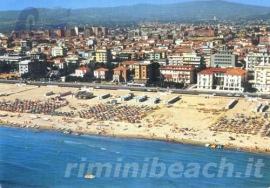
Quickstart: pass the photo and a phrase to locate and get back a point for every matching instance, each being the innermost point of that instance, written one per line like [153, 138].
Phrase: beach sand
[186, 121]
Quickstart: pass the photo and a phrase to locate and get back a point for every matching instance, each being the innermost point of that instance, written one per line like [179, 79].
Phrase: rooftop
[177, 67]
[84, 68]
[102, 69]
[227, 71]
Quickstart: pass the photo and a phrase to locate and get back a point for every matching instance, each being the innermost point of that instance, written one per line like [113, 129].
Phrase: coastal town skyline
[21, 4]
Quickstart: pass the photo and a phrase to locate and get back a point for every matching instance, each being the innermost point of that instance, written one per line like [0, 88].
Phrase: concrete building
[192, 59]
[101, 73]
[104, 30]
[125, 56]
[100, 31]
[223, 59]
[32, 66]
[262, 78]
[177, 74]
[81, 71]
[154, 55]
[103, 56]
[58, 51]
[256, 59]
[25, 66]
[227, 79]
[12, 60]
[143, 71]
[121, 74]
[256, 65]
[26, 45]
[186, 59]
[175, 59]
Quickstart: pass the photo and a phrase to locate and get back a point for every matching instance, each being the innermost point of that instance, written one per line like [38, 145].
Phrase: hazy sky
[74, 4]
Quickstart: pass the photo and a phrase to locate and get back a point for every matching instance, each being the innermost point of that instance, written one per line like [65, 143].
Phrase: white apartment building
[186, 59]
[256, 59]
[25, 67]
[58, 51]
[262, 78]
[177, 74]
[81, 71]
[227, 79]
[258, 66]
[175, 59]
[191, 59]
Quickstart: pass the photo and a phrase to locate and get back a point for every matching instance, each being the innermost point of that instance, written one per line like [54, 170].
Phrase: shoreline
[193, 120]
[128, 136]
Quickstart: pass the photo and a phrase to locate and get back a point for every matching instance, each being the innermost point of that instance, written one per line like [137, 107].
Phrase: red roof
[102, 69]
[121, 68]
[236, 72]
[228, 71]
[213, 70]
[83, 68]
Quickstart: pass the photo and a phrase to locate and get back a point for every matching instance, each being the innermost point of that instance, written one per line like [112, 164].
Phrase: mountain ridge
[184, 11]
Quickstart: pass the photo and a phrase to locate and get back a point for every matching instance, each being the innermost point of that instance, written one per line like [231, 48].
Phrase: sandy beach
[194, 120]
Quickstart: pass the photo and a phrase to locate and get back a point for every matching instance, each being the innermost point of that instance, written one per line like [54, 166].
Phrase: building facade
[121, 74]
[256, 59]
[81, 71]
[103, 56]
[186, 59]
[58, 51]
[101, 73]
[32, 66]
[227, 79]
[143, 72]
[262, 78]
[177, 74]
[223, 59]
[155, 55]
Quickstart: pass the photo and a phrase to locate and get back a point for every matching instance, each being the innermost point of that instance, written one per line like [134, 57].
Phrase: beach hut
[172, 100]
[107, 95]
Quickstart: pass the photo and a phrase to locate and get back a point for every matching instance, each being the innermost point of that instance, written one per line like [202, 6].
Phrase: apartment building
[154, 55]
[175, 59]
[32, 66]
[103, 56]
[223, 59]
[177, 74]
[227, 79]
[185, 59]
[121, 74]
[256, 59]
[262, 78]
[81, 71]
[58, 51]
[143, 71]
[101, 73]
[192, 59]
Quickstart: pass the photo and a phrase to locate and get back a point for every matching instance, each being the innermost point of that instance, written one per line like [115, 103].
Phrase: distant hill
[193, 10]
[178, 11]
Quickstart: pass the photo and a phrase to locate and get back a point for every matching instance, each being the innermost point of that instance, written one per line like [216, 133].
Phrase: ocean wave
[17, 165]
[72, 142]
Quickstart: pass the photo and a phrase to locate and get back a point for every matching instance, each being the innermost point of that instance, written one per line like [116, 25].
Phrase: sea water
[29, 159]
